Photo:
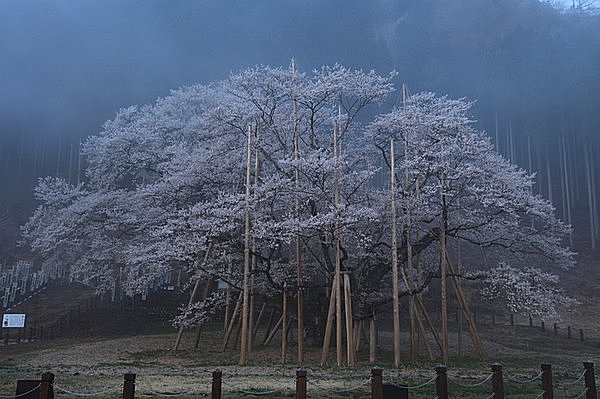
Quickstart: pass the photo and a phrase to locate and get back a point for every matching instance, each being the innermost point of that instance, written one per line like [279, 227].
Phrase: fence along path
[440, 379]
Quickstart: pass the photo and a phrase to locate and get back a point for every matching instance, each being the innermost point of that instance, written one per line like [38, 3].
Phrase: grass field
[95, 365]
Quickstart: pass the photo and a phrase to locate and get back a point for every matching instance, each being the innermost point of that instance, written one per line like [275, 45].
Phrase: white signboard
[13, 320]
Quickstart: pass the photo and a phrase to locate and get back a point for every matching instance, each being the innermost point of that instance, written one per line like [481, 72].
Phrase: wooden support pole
[284, 325]
[497, 381]
[246, 282]
[46, 389]
[441, 382]
[258, 320]
[269, 325]
[349, 330]
[555, 327]
[590, 381]
[273, 331]
[129, 386]
[581, 334]
[376, 383]
[300, 383]
[231, 322]
[467, 314]
[372, 340]
[569, 332]
[329, 322]
[395, 300]
[547, 386]
[215, 392]
[299, 292]
[338, 258]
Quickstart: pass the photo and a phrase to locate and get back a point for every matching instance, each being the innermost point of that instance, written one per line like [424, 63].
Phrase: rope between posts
[540, 395]
[581, 394]
[472, 385]
[113, 389]
[193, 391]
[21, 394]
[339, 390]
[253, 392]
[421, 385]
[491, 396]
[576, 381]
[525, 381]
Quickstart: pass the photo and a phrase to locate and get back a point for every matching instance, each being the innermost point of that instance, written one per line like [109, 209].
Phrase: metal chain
[193, 391]
[339, 390]
[113, 389]
[576, 381]
[253, 392]
[472, 385]
[525, 381]
[21, 394]
[422, 385]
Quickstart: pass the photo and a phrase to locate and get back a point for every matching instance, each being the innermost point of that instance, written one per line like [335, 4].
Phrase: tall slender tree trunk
[338, 254]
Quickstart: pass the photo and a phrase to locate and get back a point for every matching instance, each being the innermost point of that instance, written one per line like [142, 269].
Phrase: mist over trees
[531, 68]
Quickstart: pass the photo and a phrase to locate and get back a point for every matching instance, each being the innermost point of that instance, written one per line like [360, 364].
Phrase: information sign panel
[13, 320]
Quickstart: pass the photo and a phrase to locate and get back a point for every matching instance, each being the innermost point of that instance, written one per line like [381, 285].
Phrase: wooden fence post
[512, 319]
[547, 381]
[581, 334]
[555, 330]
[301, 383]
[441, 382]
[215, 392]
[46, 386]
[376, 383]
[530, 322]
[543, 326]
[569, 332]
[590, 381]
[129, 386]
[497, 381]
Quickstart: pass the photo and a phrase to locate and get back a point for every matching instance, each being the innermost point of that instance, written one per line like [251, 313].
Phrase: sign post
[12, 320]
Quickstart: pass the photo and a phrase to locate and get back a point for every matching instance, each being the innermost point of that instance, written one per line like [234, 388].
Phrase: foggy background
[68, 66]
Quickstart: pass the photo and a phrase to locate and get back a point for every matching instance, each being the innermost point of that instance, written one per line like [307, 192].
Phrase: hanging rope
[525, 381]
[253, 392]
[472, 385]
[581, 394]
[21, 394]
[193, 391]
[339, 390]
[574, 382]
[540, 395]
[423, 384]
[113, 389]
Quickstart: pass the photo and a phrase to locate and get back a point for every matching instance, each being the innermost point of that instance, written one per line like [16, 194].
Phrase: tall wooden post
[372, 340]
[46, 390]
[215, 392]
[590, 381]
[497, 381]
[395, 300]
[376, 383]
[547, 381]
[129, 386]
[329, 323]
[441, 382]
[301, 383]
[350, 349]
[246, 293]
[338, 256]
[299, 292]
[284, 325]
